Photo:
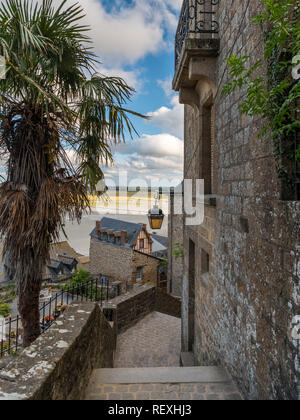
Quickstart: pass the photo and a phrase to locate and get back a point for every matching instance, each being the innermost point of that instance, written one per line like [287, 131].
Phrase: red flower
[49, 318]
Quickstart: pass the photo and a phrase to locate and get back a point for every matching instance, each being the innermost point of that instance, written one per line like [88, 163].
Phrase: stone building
[63, 261]
[175, 245]
[241, 266]
[122, 251]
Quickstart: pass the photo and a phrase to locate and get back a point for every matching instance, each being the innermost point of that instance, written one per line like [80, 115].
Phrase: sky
[134, 39]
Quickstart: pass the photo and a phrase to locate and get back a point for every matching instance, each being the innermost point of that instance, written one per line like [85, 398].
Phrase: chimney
[123, 237]
[98, 227]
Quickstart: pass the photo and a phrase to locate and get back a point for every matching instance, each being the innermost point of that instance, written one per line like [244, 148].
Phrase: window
[207, 150]
[139, 274]
[142, 243]
[103, 281]
[204, 262]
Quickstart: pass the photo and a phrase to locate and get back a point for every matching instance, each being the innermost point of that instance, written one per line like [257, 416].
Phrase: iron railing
[97, 290]
[197, 17]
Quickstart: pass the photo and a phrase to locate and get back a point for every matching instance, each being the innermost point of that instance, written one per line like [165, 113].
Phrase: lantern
[156, 216]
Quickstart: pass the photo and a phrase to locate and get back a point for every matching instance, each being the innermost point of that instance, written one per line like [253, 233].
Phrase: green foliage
[178, 252]
[4, 309]
[164, 263]
[81, 276]
[50, 63]
[81, 284]
[10, 293]
[270, 90]
[150, 283]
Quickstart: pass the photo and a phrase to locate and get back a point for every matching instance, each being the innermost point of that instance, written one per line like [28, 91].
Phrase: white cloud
[150, 158]
[169, 119]
[159, 145]
[166, 86]
[130, 31]
[132, 77]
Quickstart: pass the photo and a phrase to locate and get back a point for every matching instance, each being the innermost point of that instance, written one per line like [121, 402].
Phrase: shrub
[4, 310]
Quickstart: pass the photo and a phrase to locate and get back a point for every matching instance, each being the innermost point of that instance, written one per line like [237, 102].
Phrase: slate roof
[62, 251]
[68, 261]
[55, 264]
[62, 248]
[133, 229]
[163, 240]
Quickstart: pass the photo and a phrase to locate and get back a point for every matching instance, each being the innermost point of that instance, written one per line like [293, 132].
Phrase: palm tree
[53, 105]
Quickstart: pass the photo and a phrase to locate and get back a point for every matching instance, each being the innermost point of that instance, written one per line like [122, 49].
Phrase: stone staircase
[171, 383]
[147, 367]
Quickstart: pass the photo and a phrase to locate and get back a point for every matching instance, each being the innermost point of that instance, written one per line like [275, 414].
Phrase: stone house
[122, 251]
[241, 266]
[63, 261]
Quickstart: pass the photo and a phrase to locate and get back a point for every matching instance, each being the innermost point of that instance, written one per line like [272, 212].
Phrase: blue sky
[134, 39]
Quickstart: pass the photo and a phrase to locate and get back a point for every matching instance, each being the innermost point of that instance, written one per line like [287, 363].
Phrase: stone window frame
[139, 274]
[207, 148]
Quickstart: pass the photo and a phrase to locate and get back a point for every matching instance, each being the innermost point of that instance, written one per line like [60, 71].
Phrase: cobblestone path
[153, 342]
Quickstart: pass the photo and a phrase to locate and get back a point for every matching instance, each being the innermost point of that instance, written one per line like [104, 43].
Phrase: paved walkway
[147, 368]
[153, 342]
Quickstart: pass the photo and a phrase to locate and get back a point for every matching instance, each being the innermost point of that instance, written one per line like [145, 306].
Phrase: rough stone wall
[133, 306]
[167, 304]
[245, 306]
[175, 263]
[150, 268]
[121, 263]
[59, 364]
[111, 260]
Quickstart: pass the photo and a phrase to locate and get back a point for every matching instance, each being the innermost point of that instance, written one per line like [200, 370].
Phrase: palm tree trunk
[29, 233]
[29, 311]
[28, 275]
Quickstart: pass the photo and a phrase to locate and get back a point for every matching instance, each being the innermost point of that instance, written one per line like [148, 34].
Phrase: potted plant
[48, 320]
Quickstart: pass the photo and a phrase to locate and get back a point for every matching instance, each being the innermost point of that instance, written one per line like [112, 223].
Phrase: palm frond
[51, 100]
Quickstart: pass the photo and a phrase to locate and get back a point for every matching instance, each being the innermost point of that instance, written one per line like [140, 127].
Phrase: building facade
[175, 245]
[122, 251]
[241, 266]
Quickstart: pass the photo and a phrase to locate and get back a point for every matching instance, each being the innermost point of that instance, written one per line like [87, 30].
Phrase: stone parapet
[58, 365]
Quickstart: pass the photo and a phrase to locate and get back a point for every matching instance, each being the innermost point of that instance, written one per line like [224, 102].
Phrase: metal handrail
[95, 290]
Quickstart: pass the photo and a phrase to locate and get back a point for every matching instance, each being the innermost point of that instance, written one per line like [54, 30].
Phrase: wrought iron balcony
[198, 19]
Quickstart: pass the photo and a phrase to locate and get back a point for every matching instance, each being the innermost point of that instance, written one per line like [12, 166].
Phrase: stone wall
[175, 263]
[239, 312]
[111, 260]
[121, 264]
[167, 304]
[150, 268]
[130, 308]
[59, 364]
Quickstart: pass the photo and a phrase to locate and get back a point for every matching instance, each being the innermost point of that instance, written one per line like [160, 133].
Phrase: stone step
[160, 375]
[190, 383]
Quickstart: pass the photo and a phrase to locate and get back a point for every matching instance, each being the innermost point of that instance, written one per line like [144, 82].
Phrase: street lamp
[156, 215]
